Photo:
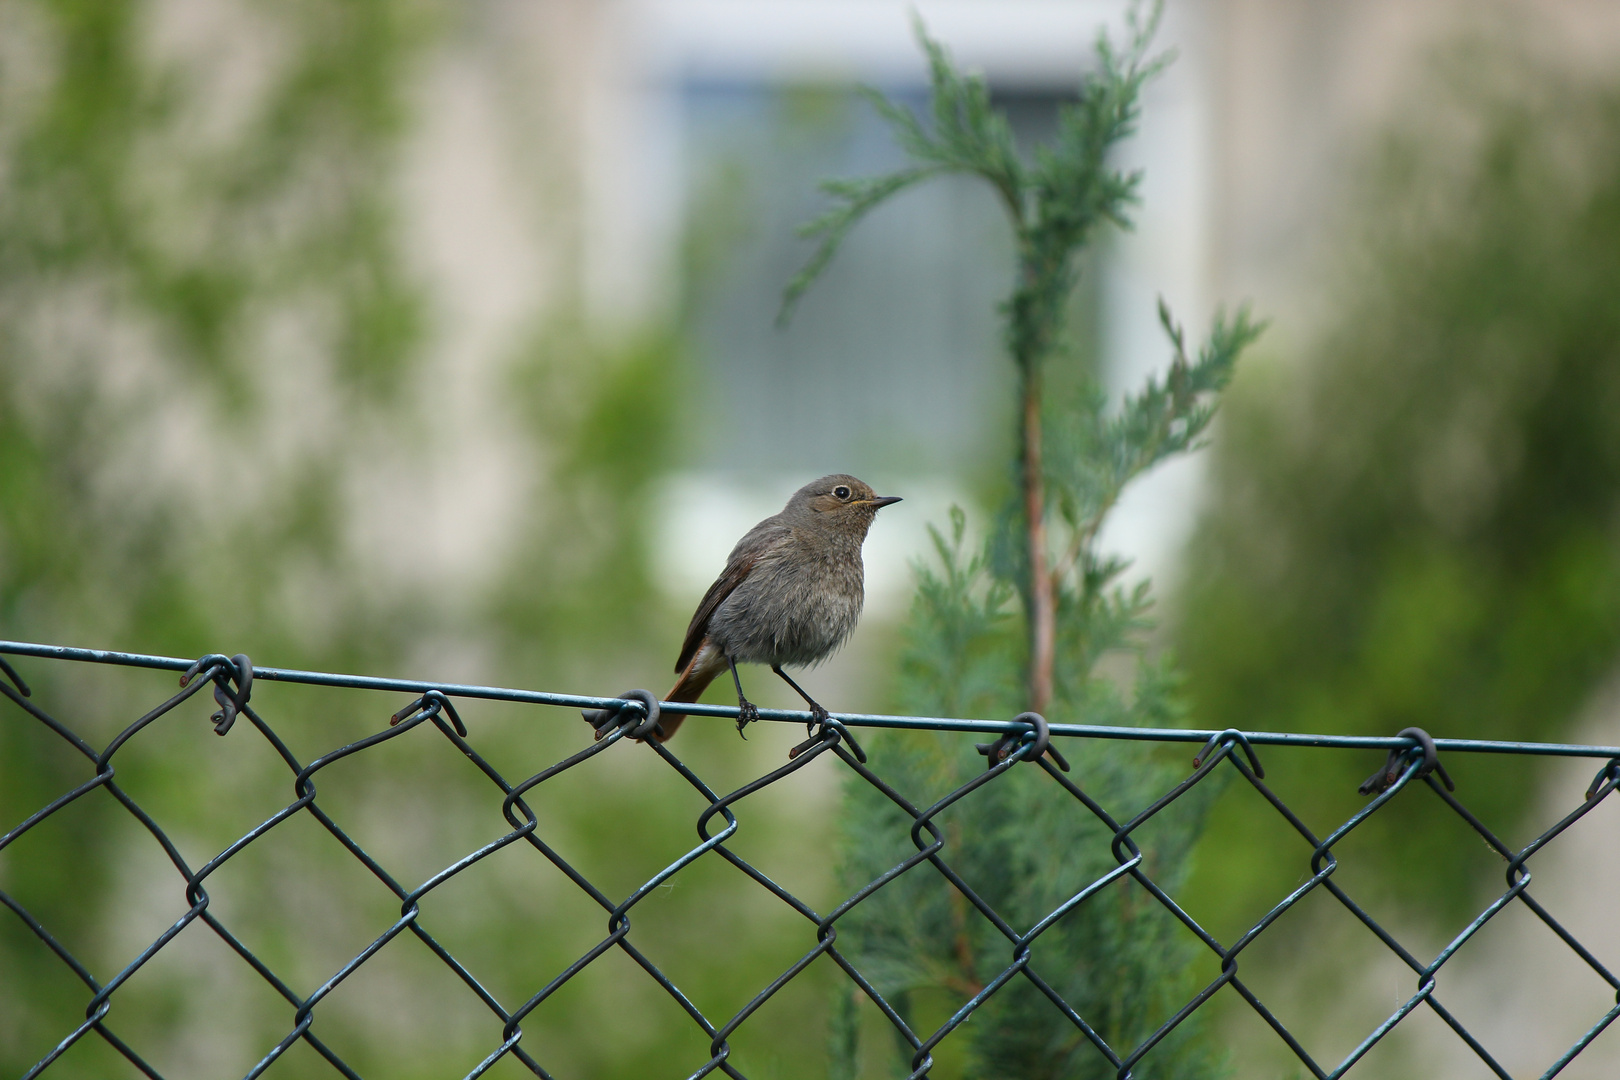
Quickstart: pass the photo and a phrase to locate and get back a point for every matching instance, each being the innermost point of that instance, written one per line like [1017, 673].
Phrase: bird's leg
[747, 712]
[817, 713]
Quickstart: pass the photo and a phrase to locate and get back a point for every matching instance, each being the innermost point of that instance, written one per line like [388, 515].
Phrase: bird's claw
[818, 715]
[747, 713]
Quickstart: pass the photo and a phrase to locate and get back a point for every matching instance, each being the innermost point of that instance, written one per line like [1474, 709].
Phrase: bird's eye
[841, 492]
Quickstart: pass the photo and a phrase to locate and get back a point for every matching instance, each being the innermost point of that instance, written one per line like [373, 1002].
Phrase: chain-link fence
[1027, 741]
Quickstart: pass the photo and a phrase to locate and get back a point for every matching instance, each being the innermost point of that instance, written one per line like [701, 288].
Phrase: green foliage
[150, 264]
[166, 281]
[122, 234]
[583, 562]
[1119, 958]
[1055, 202]
[966, 656]
[1413, 523]
[1092, 453]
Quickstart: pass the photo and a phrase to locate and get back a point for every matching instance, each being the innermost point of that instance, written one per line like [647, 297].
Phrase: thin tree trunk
[1030, 331]
[1042, 607]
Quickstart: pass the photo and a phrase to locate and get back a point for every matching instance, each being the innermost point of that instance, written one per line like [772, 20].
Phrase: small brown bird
[790, 594]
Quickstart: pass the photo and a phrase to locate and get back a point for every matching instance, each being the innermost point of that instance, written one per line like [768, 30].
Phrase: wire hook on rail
[237, 669]
[1002, 748]
[431, 703]
[1227, 737]
[1609, 772]
[1381, 780]
[603, 720]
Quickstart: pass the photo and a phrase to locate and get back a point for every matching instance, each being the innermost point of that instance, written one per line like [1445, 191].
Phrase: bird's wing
[761, 540]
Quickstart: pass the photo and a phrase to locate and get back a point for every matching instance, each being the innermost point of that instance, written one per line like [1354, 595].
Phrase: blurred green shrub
[1417, 520]
[207, 326]
[147, 260]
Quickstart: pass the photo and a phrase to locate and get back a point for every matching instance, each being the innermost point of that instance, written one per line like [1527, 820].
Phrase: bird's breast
[795, 607]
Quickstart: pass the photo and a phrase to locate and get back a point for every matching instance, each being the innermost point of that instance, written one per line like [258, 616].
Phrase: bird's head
[836, 500]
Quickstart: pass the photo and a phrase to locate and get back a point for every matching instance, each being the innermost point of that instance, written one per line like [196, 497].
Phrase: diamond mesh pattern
[1024, 743]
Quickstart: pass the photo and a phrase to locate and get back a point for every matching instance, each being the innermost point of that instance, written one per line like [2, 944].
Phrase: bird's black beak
[884, 500]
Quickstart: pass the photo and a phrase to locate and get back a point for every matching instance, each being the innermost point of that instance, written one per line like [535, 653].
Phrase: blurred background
[412, 337]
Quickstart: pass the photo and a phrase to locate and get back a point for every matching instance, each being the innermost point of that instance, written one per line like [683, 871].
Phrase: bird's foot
[816, 728]
[747, 713]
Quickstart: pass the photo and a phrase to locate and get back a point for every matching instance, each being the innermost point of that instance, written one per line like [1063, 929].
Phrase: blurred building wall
[1301, 89]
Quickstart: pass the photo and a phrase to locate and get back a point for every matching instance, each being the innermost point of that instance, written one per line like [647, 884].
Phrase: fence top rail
[864, 720]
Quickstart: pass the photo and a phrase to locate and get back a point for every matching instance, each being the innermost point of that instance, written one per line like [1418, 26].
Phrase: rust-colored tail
[700, 671]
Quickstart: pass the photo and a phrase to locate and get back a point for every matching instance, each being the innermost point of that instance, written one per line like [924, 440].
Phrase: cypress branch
[1119, 958]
